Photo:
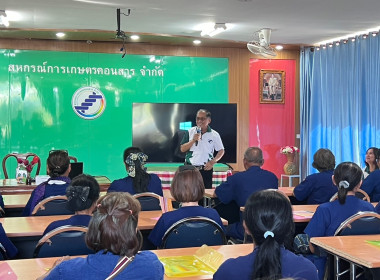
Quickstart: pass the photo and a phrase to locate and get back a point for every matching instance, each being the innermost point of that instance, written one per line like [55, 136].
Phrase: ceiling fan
[260, 43]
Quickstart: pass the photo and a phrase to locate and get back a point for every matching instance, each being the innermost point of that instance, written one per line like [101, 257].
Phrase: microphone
[198, 131]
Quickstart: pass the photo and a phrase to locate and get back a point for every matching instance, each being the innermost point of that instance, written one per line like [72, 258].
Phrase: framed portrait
[272, 86]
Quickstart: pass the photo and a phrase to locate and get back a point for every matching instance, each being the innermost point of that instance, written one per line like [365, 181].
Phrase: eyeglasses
[201, 119]
[59, 151]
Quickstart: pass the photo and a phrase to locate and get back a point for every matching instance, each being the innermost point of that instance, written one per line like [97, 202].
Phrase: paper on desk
[205, 261]
[303, 213]
[6, 272]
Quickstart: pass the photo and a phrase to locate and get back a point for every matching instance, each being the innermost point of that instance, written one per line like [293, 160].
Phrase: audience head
[134, 160]
[268, 218]
[187, 184]
[324, 160]
[82, 193]
[371, 156]
[58, 163]
[347, 177]
[378, 158]
[113, 227]
[253, 156]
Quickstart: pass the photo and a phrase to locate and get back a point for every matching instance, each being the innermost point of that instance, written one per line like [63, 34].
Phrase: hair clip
[344, 184]
[268, 233]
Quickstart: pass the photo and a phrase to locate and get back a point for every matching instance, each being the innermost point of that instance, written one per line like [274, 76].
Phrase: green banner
[37, 113]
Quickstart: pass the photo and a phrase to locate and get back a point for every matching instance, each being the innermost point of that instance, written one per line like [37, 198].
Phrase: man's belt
[199, 167]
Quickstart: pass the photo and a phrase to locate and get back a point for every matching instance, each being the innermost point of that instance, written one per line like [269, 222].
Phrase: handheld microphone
[198, 131]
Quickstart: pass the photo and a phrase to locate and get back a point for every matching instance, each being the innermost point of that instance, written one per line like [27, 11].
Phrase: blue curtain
[340, 100]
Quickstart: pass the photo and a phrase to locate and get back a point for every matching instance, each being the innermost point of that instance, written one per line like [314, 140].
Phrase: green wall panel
[36, 89]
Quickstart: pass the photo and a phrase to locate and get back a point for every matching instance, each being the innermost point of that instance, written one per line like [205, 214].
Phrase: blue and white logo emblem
[88, 103]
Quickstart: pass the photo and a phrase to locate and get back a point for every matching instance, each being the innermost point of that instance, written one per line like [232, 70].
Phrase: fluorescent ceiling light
[197, 42]
[279, 47]
[213, 30]
[60, 34]
[135, 37]
[3, 18]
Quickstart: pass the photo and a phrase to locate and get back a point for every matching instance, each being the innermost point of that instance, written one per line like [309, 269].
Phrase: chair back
[53, 205]
[362, 223]
[74, 159]
[63, 241]
[3, 253]
[359, 194]
[17, 155]
[193, 232]
[149, 201]
[362, 195]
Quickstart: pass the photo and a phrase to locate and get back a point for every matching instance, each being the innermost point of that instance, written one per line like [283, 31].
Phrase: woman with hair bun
[268, 218]
[112, 234]
[58, 168]
[328, 216]
[318, 188]
[138, 180]
[82, 194]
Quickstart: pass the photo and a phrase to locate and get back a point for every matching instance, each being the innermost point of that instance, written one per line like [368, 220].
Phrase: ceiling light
[135, 37]
[3, 18]
[349, 36]
[214, 30]
[279, 47]
[60, 34]
[197, 42]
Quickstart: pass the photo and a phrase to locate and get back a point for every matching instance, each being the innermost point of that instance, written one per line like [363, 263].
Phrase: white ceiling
[293, 21]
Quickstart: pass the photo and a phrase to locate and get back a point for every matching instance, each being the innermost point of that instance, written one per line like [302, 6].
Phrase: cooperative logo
[88, 103]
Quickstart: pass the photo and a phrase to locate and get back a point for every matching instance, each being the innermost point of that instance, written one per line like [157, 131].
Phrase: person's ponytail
[267, 260]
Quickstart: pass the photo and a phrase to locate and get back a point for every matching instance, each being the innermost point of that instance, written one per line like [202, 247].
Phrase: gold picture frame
[272, 86]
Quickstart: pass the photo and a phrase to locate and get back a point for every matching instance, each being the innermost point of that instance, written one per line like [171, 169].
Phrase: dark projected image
[158, 128]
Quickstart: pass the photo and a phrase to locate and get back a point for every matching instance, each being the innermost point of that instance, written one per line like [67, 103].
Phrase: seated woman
[187, 188]
[82, 194]
[371, 185]
[58, 168]
[7, 246]
[370, 161]
[112, 233]
[268, 218]
[329, 216]
[318, 188]
[138, 180]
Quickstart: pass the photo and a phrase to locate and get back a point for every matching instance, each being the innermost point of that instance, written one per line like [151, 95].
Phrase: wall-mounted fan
[260, 43]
